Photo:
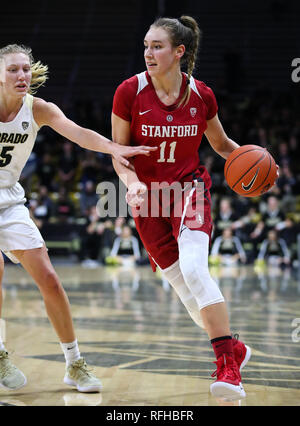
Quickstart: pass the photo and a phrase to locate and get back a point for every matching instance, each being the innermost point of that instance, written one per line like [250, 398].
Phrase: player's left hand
[121, 152]
[135, 194]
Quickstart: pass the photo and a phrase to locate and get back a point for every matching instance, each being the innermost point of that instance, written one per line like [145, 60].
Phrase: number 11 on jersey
[171, 158]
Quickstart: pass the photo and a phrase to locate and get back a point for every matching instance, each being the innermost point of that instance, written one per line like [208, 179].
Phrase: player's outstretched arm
[48, 114]
[136, 188]
[121, 135]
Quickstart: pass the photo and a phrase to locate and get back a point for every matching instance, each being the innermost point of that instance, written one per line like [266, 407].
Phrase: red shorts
[159, 224]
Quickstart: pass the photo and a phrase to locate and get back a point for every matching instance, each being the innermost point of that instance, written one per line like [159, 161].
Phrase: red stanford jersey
[177, 132]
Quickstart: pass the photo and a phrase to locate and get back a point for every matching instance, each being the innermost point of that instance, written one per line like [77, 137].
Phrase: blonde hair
[186, 31]
[39, 72]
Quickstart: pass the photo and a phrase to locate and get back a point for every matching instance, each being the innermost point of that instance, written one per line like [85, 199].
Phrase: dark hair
[186, 31]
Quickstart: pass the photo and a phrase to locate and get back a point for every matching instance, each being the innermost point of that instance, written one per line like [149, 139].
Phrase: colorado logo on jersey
[169, 131]
[13, 137]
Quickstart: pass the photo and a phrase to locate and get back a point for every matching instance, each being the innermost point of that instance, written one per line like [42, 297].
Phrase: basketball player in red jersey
[169, 109]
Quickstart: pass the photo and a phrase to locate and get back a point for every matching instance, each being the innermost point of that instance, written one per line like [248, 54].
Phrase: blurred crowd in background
[60, 180]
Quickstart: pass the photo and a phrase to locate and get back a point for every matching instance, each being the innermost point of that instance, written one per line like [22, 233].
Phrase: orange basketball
[250, 170]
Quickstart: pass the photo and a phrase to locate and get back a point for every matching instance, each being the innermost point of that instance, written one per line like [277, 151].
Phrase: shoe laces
[220, 366]
[236, 336]
[3, 355]
[5, 367]
[81, 365]
[226, 366]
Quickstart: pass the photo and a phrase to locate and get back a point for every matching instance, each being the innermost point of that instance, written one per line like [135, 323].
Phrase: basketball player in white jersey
[21, 116]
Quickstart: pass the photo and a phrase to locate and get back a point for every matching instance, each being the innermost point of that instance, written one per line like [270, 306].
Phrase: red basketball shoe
[242, 352]
[229, 383]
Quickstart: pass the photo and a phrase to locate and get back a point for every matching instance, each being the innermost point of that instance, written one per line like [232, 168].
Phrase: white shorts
[18, 231]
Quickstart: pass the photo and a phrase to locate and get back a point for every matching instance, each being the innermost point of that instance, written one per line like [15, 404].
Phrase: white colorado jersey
[17, 138]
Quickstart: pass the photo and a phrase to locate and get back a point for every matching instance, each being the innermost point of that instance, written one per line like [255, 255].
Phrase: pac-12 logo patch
[25, 125]
[193, 112]
[169, 117]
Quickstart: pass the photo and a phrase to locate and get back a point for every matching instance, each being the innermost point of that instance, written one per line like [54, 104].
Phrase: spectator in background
[244, 227]
[107, 170]
[228, 249]
[119, 223]
[272, 217]
[28, 172]
[263, 139]
[224, 218]
[274, 250]
[92, 240]
[64, 208]
[287, 181]
[125, 250]
[283, 156]
[46, 172]
[42, 208]
[67, 166]
[88, 197]
[90, 168]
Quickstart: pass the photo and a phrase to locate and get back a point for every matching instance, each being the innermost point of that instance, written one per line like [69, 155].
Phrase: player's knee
[198, 278]
[192, 269]
[49, 282]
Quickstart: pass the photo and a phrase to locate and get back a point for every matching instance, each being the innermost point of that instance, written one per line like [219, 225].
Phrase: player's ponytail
[193, 43]
[186, 31]
[38, 70]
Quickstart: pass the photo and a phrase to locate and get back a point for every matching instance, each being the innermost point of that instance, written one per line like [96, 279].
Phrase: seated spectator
[283, 156]
[42, 207]
[97, 239]
[274, 250]
[67, 166]
[64, 209]
[271, 218]
[46, 172]
[88, 197]
[125, 250]
[247, 223]
[119, 223]
[224, 218]
[286, 181]
[227, 249]
[244, 228]
[28, 172]
[90, 167]
[107, 172]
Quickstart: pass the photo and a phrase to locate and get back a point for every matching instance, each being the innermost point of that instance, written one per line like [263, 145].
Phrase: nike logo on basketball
[249, 186]
[144, 112]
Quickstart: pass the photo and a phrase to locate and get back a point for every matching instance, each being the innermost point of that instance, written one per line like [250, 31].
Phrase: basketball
[250, 170]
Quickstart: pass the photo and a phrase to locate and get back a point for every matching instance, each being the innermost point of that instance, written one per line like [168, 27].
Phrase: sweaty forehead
[16, 59]
[157, 34]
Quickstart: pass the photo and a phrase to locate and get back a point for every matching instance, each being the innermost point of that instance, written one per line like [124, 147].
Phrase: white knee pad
[174, 276]
[193, 260]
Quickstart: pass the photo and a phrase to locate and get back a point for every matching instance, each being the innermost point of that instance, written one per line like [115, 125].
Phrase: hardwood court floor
[140, 341]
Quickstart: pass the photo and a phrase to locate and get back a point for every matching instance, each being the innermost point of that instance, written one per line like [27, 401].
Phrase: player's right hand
[136, 194]
[122, 152]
